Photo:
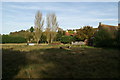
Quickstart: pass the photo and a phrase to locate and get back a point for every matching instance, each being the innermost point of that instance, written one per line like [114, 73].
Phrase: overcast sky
[70, 15]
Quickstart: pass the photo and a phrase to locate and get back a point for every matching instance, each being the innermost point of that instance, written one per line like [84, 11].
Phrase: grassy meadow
[49, 61]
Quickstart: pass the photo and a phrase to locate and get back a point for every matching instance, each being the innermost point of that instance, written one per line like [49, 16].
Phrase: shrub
[0, 38]
[67, 39]
[85, 33]
[103, 39]
[11, 39]
[43, 39]
[58, 37]
[118, 38]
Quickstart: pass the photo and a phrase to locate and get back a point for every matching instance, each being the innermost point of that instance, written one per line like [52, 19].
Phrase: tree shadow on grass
[60, 63]
[68, 65]
[64, 64]
[12, 61]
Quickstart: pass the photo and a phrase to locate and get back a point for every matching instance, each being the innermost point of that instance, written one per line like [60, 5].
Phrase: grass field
[47, 61]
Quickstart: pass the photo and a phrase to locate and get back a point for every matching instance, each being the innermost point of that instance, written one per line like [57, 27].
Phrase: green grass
[47, 61]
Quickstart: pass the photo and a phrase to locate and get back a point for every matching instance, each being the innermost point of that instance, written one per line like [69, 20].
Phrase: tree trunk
[51, 40]
[27, 42]
[37, 42]
[47, 41]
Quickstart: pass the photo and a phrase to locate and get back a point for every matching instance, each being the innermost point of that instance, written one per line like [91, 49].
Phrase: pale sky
[70, 15]
[59, 0]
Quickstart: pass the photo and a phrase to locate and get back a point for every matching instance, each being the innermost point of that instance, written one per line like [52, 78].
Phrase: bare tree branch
[39, 22]
[52, 27]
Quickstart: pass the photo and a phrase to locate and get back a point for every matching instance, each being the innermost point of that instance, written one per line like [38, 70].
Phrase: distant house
[107, 27]
[70, 32]
[110, 28]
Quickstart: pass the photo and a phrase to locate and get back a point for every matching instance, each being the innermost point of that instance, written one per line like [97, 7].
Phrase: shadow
[12, 61]
[61, 63]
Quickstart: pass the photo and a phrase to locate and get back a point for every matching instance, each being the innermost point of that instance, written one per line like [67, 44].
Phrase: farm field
[49, 61]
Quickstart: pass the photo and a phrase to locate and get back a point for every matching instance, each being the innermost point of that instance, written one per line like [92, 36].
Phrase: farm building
[107, 27]
[70, 32]
[110, 28]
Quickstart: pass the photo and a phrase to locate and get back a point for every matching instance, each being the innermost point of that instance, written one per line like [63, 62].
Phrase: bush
[11, 39]
[0, 38]
[58, 37]
[118, 37]
[85, 33]
[43, 39]
[67, 39]
[103, 39]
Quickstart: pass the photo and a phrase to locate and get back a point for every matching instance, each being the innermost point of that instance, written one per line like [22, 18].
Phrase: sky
[59, 0]
[18, 16]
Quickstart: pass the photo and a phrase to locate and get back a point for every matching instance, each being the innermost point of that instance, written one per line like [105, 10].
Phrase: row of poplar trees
[51, 26]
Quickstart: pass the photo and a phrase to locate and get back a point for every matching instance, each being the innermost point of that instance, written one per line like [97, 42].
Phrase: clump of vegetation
[104, 39]
[0, 38]
[43, 38]
[118, 37]
[85, 33]
[67, 39]
[13, 39]
[60, 33]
